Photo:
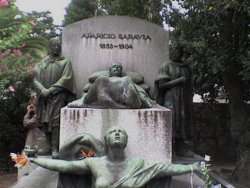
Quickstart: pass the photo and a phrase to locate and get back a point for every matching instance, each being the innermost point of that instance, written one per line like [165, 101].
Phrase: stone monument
[140, 46]
[92, 44]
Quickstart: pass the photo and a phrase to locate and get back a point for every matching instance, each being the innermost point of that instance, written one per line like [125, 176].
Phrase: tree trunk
[240, 125]
[232, 39]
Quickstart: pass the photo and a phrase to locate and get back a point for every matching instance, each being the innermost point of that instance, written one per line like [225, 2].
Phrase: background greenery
[23, 42]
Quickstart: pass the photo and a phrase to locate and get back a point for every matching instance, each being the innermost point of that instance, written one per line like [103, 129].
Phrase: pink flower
[11, 88]
[4, 3]
[3, 54]
[17, 52]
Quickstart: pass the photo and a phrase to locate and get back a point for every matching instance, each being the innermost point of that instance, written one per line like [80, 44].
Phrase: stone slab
[149, 130]
[25, 170]
[39, 178]
[92, 44]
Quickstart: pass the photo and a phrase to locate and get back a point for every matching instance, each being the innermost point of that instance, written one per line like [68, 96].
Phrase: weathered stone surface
[149, 130]
[92, 44]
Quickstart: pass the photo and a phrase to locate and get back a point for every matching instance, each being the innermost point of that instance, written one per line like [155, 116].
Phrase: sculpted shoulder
[63, 61]
[167, 63]
[92, 161]
[42, 64]
[44, 60]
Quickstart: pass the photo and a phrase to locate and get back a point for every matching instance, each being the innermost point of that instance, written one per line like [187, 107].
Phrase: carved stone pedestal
[149, 130]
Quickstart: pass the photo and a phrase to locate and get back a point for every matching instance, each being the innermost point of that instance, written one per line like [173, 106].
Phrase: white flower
[40, 19]
[17, 17]
[58, 31]
[216, 186]
[203, 166]
[13, 156]
[207, 158]
[18, 165]
[47, 31]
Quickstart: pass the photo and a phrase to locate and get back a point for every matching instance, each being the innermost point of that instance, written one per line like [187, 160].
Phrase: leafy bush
[22, 43]
[15, 92]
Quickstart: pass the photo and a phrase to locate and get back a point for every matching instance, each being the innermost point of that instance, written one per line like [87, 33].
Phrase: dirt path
[7, 179]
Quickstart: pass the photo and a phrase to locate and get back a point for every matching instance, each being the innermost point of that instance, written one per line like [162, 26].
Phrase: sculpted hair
[116, 63]
[175, 45]
[55, 40]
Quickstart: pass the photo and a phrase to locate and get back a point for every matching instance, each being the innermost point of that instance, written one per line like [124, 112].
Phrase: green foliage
[15, 84]
[43, 25]
[23, 42]
[12, 31]
[37, 46]
[20, 31]
[215, 35]
[16, 71]
[207, 179]
[81, 9]
[145, 9]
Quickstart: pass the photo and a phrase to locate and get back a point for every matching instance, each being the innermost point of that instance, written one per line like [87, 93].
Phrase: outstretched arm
[177, 169]
[74, 167]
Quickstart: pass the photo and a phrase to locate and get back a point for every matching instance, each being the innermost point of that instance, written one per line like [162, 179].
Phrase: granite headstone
[92, 44]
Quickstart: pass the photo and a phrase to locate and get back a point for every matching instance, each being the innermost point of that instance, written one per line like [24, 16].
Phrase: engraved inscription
[112, 46]
[121, 36]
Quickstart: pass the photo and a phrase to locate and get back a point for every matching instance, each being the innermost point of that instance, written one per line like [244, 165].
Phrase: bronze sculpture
[175, 91]
[115, 89]
[115, 169]
[54, 83]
